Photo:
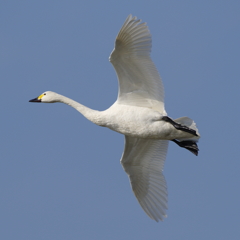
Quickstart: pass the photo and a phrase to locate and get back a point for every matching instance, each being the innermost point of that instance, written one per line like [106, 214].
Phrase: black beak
[35, 100]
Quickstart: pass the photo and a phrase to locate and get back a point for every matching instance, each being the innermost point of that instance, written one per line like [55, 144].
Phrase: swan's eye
[44, 94]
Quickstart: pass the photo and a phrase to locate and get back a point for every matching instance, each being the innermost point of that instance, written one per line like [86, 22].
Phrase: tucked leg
[179, 126]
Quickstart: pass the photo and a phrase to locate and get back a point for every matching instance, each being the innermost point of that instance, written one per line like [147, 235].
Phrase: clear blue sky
[60, 176]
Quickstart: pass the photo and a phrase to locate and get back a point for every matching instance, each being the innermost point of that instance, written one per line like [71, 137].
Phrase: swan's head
[47, 97]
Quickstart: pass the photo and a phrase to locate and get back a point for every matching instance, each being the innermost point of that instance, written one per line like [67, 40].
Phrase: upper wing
[138, 78]
[143, 161]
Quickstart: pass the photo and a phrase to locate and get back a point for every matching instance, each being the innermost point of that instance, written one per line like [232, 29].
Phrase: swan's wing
[143, 161]
[138, 78]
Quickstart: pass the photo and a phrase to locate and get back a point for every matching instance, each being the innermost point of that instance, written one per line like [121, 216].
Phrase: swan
[139, 114]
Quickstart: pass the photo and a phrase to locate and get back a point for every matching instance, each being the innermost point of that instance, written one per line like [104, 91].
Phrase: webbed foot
[189, 145]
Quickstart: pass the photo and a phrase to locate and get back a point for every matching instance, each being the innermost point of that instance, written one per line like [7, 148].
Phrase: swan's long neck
[92, 115]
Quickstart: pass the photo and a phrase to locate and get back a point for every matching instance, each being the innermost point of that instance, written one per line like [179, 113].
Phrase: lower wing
[143, 161]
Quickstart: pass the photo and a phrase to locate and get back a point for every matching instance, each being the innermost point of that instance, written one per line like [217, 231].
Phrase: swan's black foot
[179, 126]
[189, 145]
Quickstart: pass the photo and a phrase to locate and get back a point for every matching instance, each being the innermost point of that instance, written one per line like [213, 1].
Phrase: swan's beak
[35, 100]
[38, 99]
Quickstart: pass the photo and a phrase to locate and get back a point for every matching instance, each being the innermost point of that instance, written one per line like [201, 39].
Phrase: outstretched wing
[143, 161]
[138, 78]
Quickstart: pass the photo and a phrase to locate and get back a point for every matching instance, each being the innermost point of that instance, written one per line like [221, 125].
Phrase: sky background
[60, 175]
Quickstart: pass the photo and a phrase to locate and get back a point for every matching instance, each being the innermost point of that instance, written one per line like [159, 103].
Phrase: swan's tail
[186, 121]
[191, 143]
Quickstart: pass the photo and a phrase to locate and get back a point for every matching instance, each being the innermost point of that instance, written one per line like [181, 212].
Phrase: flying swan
[140, 115]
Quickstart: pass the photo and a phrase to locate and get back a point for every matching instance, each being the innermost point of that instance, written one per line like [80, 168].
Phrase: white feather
[143, 161]
[138, 78]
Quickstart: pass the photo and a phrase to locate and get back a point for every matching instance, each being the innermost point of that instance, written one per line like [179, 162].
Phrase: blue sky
[60, 176]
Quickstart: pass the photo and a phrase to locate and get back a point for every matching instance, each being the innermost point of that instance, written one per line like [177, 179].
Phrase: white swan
[139, 114]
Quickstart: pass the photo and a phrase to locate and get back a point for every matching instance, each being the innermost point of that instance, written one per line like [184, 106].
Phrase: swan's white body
[137, 114]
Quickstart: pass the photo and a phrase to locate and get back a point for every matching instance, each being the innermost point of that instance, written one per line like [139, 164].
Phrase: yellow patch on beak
[40, 97]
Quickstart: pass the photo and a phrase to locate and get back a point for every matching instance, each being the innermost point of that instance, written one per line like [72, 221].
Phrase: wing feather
[143, 161]
[138, 78]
